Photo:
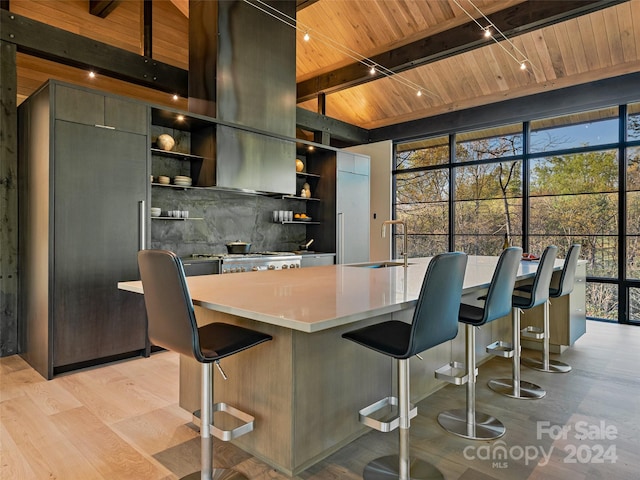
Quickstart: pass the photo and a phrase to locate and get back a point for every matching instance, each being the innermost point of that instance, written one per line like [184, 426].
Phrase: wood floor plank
[51, 397]
[111, 455]
[15, 374]
[113, 396]
[13, 463]
[51, 453]
[157, 430]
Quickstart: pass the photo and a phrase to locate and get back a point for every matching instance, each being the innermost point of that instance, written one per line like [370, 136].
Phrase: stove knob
[225, 271]
[272, 267]
[285, 266]
[243, 269]
[254, 269]
[293, 265]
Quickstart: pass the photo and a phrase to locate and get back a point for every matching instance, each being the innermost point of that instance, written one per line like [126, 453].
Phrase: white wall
[381, 155]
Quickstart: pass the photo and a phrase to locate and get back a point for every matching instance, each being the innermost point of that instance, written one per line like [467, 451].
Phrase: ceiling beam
[183, 6]
[314, 122]
[44, 41]
[302, 4]
[102, 8]
[516, 20]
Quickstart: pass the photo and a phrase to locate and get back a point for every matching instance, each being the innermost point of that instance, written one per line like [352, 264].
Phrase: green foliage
[575, 173]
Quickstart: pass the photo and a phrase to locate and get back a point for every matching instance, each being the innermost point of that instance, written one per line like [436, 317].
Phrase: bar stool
[435, 321]
[564, 287]
[514, 387]
[467, 422]
[172, 325]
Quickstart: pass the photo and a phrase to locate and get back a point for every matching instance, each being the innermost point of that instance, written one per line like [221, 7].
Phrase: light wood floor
[121, 421]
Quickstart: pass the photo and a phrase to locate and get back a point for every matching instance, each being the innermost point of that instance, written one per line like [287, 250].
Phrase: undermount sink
[379, 264]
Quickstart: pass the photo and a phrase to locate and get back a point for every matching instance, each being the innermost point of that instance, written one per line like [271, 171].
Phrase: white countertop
[318, 298]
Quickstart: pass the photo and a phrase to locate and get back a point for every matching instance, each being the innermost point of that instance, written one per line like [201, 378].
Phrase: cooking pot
[305, 246]
[238, 247]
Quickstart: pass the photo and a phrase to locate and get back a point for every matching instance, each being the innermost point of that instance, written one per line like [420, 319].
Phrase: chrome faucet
[405, 253]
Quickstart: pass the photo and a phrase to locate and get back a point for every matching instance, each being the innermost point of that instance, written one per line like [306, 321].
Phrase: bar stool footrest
[227, 435]
[454, 372]
[500, 349]
[366, 418]
[534, 333]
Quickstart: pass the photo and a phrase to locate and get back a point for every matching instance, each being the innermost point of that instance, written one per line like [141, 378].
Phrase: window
[602, 301]
[488, 206]
[574, 200]
[489, 144]
[633, 122]
[422, 197]
[425, 153]
[422, 202]
[573, 131]
[634, 305]
[633, 213]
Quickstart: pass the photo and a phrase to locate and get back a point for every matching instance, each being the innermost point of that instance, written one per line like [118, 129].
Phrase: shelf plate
[176, 155]
[298, 222]
[294, 197]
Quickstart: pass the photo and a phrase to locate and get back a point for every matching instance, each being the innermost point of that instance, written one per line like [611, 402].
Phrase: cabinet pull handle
[142, 227]
[341, 236]
[105, 126]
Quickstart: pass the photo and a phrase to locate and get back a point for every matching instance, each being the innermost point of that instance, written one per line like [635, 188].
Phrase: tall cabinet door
[352, 205]
[100, 176]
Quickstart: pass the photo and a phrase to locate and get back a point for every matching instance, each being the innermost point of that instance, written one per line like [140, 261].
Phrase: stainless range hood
[255, 87]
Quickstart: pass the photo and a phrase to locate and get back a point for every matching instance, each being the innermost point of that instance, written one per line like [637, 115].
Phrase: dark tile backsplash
[226, 217]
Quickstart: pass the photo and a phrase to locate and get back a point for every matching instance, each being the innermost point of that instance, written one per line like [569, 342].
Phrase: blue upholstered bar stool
[172, 325]
[497, 303]
[563, 287]
[514, 387]
[435, 321]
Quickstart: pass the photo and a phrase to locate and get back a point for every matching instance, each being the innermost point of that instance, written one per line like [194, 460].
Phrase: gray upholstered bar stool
[514, 387]
[435, 321]
[497, 303]
[563, 287]
[172, 325]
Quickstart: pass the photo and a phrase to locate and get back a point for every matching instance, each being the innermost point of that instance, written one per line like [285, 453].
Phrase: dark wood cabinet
[84, 196]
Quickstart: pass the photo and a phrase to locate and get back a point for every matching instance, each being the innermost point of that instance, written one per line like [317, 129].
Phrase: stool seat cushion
[521, 302]
[471, 314]
[524, 288]
[553, 292]
[390, 338]
[219, 340]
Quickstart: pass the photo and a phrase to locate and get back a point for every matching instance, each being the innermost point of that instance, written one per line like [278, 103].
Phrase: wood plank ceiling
[589, 47]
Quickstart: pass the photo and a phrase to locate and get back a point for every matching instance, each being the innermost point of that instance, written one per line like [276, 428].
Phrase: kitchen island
[307, 385]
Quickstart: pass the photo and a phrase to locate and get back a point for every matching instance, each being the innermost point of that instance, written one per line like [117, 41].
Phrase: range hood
[242, 71]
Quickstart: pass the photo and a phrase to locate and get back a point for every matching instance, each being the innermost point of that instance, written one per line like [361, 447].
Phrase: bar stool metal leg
[207, 472]
[467, 422]
[515, 387]
[401, 467]
[545, 364]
